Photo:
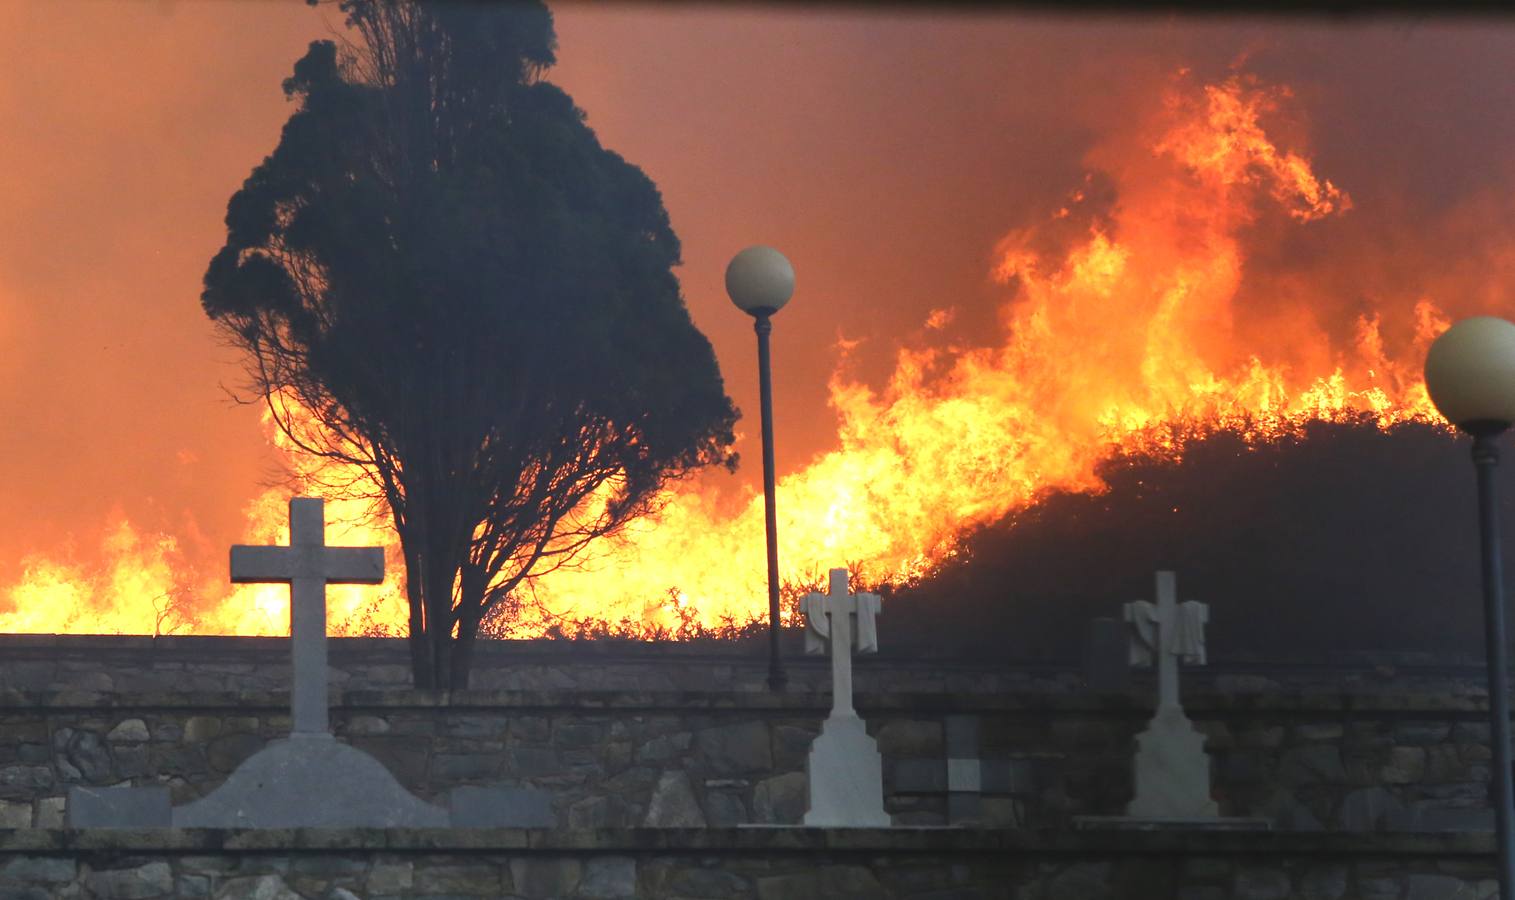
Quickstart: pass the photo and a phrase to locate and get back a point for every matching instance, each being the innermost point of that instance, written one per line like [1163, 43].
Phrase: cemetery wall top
[139, 664]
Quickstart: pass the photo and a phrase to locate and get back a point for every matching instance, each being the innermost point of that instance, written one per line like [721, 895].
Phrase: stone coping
[1134, 703]
[1186, 842]
[236, 648]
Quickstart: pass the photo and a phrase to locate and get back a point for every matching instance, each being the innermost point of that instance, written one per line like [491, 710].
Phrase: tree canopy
[441, 278]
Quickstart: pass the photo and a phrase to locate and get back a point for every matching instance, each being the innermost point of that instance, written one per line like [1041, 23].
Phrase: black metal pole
[763, 325]
[1485, 459]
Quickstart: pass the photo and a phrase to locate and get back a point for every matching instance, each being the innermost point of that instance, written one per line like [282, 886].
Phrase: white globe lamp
[1470, 374]
[760, 280]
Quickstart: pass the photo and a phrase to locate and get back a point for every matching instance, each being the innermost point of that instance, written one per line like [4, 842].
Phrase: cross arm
[334, 565]
[261, 565]
[353, 565]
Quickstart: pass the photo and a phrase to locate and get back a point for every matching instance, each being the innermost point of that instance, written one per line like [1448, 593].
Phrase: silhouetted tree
[470, 300]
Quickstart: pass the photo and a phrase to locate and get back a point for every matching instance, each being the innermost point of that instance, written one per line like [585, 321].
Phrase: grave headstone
[844, 769]
[1172, 769]
[309, 779]
[307, 565]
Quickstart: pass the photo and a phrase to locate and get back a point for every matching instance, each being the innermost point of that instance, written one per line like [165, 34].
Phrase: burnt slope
[1344, 538]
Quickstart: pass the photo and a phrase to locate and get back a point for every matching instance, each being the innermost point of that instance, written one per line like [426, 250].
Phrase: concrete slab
[118, 807]
[471, 806]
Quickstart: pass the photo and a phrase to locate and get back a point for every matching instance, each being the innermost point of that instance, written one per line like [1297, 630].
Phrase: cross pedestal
[844, 768]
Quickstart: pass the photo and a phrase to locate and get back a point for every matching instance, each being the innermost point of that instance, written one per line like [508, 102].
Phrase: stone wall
[624, 759]
[627, 736]
[739, 864]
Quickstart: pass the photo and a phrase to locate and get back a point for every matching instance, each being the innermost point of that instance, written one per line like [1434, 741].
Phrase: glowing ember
[1121, 317]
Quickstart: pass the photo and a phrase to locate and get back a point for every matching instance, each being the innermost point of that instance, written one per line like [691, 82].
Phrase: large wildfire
[1124, 314]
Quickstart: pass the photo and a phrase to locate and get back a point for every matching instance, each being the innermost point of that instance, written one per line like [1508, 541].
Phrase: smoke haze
[888, 154]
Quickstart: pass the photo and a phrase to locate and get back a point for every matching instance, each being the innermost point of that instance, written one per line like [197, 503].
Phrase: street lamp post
[1470, 374]
[760, 281]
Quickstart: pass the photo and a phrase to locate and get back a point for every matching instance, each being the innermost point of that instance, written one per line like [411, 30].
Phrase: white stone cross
[844, 769]
[307, 565]
[830, 619]
[1166, 633]
[1171, 771]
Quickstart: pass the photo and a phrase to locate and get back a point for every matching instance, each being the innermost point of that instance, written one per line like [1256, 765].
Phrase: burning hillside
[1138, 302]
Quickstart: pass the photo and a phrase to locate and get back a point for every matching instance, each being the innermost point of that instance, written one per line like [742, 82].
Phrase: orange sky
[887, 153]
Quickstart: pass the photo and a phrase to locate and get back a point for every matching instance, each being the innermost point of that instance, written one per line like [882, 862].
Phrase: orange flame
[1121, 316]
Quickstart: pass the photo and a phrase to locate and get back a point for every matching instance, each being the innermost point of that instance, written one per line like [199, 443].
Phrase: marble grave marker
[309, 779]
[1172, 770]
[844, 769]
[307, 565]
